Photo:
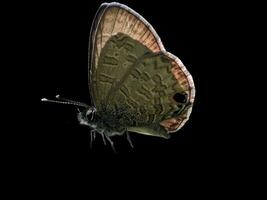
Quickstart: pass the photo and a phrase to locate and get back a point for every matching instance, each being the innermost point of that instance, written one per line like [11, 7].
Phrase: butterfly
[135, 84]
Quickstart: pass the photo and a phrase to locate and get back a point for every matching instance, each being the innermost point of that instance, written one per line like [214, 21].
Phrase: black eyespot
[180, 97]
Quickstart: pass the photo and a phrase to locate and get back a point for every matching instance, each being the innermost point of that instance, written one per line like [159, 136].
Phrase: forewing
[105, 69]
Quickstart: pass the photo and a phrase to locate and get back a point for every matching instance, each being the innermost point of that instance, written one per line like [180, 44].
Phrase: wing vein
[115, 19]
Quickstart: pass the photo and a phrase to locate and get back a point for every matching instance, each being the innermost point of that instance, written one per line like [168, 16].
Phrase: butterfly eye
[90, 112]
[180, 97]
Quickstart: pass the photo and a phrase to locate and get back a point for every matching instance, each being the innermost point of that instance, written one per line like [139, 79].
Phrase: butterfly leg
[111, 143]
[129, 139]
[92, 138]
[103, 137]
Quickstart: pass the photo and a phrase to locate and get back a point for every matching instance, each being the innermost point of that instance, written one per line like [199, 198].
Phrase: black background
[58, 147]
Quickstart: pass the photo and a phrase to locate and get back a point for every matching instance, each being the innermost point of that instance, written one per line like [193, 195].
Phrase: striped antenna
[65, 101]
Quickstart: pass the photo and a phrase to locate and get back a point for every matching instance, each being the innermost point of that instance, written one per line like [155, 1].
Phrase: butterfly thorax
[107, 123]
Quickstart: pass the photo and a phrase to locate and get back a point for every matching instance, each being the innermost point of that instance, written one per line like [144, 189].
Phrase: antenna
[65, 101]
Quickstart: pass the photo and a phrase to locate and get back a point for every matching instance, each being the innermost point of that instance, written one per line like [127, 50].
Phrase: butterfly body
[103, 124]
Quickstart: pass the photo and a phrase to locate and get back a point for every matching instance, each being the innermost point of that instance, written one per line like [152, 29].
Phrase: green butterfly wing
[130, 70]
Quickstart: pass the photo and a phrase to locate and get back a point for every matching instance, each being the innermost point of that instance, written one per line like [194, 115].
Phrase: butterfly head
[86, 117]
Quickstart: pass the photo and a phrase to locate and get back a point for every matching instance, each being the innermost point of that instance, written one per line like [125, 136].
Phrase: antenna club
[44, 99]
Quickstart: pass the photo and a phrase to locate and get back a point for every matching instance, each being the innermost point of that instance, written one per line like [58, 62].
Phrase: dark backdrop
[59, 146]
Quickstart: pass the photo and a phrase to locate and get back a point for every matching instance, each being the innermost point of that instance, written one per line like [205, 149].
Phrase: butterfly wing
[111, 19]
[127, 52]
